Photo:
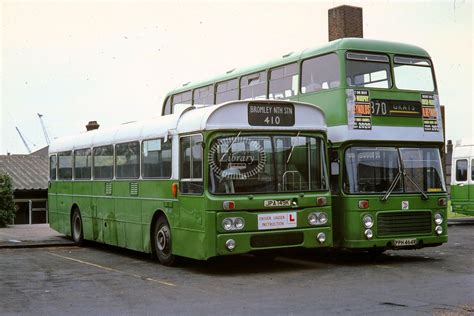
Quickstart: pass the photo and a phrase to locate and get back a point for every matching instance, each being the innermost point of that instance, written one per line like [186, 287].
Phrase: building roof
[28, 172]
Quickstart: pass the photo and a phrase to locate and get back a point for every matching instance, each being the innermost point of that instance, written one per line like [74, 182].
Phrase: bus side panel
[189, 235]
[156, 195]
[330, 102]
[82, 191]
[64, 203]
[100, 203]
[125, 229]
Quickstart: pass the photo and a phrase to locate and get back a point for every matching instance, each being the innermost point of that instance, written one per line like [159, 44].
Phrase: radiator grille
[275, 240]
[404, 223]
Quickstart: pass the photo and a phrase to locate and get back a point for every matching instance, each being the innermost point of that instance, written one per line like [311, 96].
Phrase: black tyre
[76, 228]
[161, 240]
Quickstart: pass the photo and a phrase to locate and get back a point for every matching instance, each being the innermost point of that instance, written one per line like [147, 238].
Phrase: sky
[114, 61]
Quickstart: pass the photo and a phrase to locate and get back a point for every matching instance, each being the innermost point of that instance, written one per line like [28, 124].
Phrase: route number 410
[272, 120]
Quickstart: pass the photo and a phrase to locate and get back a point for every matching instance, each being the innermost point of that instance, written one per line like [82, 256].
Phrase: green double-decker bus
[239, 177]
[384, 125]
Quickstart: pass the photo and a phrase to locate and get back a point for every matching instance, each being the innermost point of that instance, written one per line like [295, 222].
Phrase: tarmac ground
[104, 280]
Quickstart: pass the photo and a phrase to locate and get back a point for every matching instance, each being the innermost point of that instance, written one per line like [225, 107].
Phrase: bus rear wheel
[162, 242]
[76, 228]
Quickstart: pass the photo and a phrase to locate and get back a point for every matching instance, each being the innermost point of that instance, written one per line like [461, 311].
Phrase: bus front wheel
[76, 227]
[162, 242]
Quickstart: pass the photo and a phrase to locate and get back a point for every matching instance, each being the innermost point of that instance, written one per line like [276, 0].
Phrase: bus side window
[191, 180]
[320, 73]
[472, 169]
[253, 86]
[103, 162]
[181, 98]
[284, 82]
[227, 91]
[82, 164]
[127, 165]
[334, 163]
[156, 158]
[204, 95]
[65, 165]
[461, 170]
[52, 167]
[167, 106]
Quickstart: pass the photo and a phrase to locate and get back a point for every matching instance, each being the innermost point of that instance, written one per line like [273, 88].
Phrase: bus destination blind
[271, 114]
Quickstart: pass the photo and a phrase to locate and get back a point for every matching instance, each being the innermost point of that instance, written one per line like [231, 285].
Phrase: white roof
[463, 148]
[230, 115]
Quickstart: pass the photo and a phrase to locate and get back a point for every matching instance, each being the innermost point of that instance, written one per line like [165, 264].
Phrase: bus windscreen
[267, 164]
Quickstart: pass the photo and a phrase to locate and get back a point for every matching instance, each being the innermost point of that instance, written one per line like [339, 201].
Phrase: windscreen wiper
[292, 148]
[424, 196]
[392, 186]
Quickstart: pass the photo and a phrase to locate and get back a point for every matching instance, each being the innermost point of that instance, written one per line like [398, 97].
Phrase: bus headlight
[227, 223]
[239, 223]
[368, 221]
[439, 230]
[323, 218]
[369, 234]
[233, 223]
[438, 219]
[313, 219]
[317, 218]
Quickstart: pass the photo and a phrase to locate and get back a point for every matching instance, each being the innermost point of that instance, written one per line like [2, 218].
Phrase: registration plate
[405, 242]
[277, 220]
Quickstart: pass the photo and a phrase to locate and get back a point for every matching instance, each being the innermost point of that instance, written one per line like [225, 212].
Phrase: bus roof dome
[240, 115]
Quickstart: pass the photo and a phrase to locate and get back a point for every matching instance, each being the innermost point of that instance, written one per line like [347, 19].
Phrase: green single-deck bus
[233, 178]
[462, 178]
[385, 125]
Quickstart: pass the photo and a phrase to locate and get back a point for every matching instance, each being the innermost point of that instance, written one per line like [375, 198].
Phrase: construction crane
[44, 128]
[24, 140]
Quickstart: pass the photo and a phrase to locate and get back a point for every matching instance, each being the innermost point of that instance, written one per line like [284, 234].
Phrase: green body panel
[462, 198]
[121, 212]
[349, 229]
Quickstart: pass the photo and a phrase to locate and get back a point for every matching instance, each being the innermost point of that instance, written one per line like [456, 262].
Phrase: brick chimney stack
[92, 125]
[345, 21]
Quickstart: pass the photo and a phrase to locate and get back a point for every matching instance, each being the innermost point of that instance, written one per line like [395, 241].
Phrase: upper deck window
[181, 98]
[204, 95]
[368, 70]
[321, 72]
[227, 91]
[284, 82]
[253, 86]
[167, 107]
[413, 73]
